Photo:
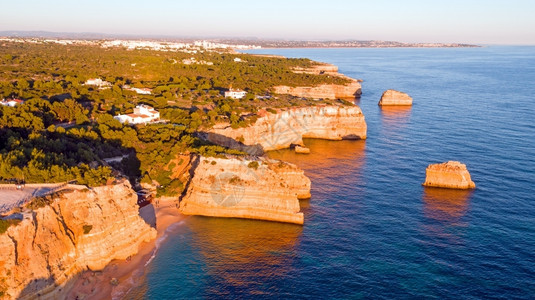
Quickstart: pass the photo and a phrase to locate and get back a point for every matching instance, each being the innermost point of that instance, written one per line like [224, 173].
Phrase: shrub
[39, 202]
[253, 165]
[5, 224]
[235, 180]
[87, 228]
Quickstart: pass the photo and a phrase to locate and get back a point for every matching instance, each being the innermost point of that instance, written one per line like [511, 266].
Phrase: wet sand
[119, 276]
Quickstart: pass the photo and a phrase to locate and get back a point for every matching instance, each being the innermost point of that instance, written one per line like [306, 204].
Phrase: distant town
[345, 44]
[191, 44]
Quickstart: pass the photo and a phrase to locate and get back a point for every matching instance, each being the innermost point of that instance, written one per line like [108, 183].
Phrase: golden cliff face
[239, 188]
[451, 174]
[289, 127]
[326, 91]
[79, 230]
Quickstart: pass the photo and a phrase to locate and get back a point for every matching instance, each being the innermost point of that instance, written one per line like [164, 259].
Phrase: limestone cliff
[451, 174]
[326, 91]
[241, 188]
[279, 130]
[318, 69]
[393, 97]
[78, 230]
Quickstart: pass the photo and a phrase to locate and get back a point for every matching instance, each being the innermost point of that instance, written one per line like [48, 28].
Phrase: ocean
[371, 229]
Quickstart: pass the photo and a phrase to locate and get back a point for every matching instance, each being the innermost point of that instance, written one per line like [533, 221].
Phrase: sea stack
[451, 174]
[393, 97]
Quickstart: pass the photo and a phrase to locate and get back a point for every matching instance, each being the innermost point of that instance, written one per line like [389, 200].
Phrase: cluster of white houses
[143, 114]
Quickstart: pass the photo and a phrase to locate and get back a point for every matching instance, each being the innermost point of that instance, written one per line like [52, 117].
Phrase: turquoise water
[371, 230]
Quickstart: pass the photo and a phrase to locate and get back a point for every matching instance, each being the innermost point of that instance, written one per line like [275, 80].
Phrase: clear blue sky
[466, 21]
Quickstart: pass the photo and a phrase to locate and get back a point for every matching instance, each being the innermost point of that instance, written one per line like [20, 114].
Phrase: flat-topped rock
[261, 189]
[393, 97]
[302, 150]
[451, 174]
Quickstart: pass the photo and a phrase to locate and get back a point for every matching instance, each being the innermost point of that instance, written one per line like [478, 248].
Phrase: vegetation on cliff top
[65, 130]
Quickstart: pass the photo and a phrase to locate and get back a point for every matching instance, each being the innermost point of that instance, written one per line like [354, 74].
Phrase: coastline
[98, 284]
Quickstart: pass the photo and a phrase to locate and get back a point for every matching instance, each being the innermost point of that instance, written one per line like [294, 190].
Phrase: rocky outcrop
[351, 89]
[325, 91]
[318, 69]
[78, 230]
[393, 97]
[451, 174]
[301, 150]
[273, 131]
[261, 189]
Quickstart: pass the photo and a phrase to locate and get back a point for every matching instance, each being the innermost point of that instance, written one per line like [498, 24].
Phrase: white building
[142, 114]
[235, 93]
[97, 82]
[142, 91]
[11, 102]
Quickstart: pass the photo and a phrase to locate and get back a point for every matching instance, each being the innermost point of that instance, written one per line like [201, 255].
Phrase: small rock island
[301, 149]
[451, 174]
[393, 97]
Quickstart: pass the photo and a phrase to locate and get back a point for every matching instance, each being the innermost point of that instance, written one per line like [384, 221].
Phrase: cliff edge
[273, 131]
[261, 189]
[323, 91]
[78, 230]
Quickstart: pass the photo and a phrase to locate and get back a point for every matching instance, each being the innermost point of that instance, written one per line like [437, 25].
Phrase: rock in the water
[451, 174]
[302, 150]
[393, 97]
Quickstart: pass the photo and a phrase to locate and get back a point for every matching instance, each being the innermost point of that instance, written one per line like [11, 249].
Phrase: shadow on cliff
[231, 143]
[148, 214]
[46, 288]
[194, 163]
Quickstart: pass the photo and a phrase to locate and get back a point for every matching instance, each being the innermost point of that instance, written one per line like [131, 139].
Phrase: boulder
[393, 97]
[302, 150]
[451, 174]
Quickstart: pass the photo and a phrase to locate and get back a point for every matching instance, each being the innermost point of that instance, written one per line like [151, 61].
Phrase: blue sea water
[371, 230]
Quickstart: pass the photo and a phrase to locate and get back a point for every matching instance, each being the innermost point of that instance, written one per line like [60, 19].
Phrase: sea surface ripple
[371, 230]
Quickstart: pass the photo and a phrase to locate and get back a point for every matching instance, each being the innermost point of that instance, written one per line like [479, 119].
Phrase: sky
[448, 21]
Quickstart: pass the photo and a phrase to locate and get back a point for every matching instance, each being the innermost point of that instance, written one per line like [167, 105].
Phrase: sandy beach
[119, 276]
